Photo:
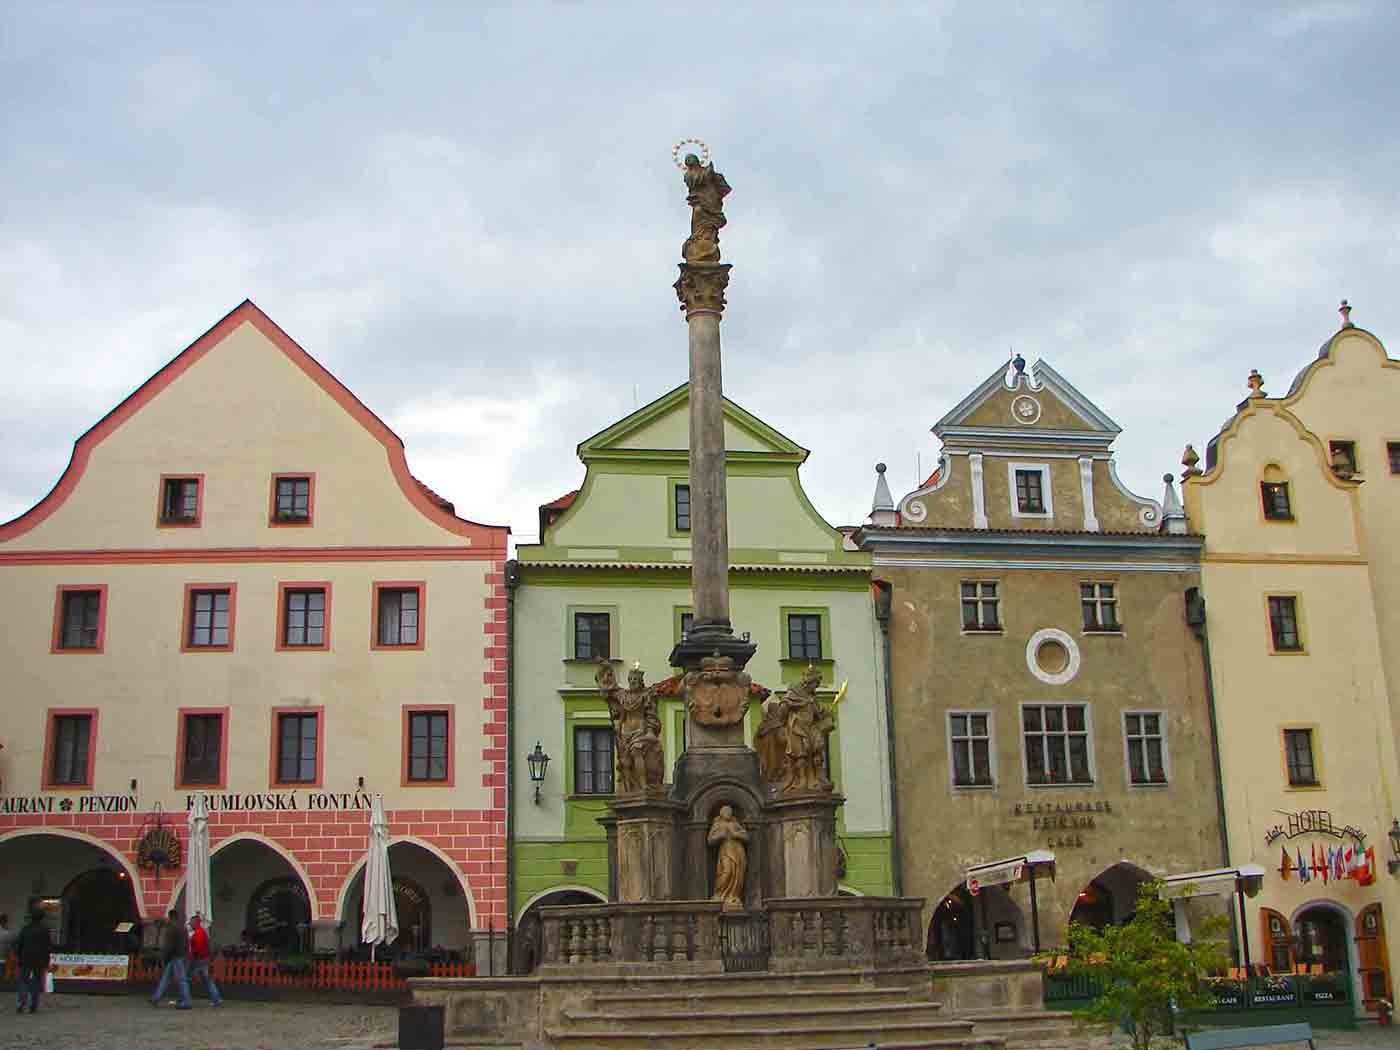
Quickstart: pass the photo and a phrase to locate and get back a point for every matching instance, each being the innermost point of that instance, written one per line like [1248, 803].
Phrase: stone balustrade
[646, 932]
[811, 932]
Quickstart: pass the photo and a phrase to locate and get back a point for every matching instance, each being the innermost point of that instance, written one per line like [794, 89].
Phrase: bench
[1263, 1035]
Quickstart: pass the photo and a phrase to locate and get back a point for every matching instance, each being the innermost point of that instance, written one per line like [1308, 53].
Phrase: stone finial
[1255, 383]
[1173, 513]
[882, 513]
[1345, 311]
[1189, 459]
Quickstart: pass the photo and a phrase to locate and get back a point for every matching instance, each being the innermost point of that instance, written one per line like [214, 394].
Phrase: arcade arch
[964, 926]
[86, 887]
[526, 945]
[262, 896]
[434, 903]
[1110, 898]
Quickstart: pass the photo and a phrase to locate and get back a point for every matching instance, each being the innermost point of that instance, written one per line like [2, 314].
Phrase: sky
[469, 214]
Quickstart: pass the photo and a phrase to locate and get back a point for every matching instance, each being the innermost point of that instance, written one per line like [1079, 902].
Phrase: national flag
[1366, 874]
[1326, 865]
[1349, 861]
[1316, 867]
[1304, 875]
[1285, 866]
[1339, 862]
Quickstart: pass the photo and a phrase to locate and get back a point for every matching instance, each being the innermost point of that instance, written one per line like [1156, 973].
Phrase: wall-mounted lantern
[538, 762]
[1393, 865]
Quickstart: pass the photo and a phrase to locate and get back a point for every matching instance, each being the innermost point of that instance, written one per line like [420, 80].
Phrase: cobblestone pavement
[1367, 1037]
[92, 1022]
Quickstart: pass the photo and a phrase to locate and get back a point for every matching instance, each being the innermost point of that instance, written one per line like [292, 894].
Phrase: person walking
[174, 950]
[33, 948]
[199, 958]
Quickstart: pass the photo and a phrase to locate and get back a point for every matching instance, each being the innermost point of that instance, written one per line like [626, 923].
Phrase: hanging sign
[1311, 822]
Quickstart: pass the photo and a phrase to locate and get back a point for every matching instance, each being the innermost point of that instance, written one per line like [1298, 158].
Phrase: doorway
[94, 903]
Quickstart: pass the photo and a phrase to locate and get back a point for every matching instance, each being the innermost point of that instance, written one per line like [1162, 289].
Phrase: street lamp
[538, 762]
[1393, 865]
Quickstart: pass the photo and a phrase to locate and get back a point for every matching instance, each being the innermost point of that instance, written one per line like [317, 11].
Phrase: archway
[86, 888]
[527, 942]
[1322, 934]
[952, 928]
[1110, 899]
[261, 898]
[434, 912]
[987, 925]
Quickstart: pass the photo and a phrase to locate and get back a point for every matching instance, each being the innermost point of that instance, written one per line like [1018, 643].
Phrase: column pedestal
[645, 860]
[804, 839]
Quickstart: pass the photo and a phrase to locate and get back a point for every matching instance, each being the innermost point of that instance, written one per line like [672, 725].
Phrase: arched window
[1275, 494]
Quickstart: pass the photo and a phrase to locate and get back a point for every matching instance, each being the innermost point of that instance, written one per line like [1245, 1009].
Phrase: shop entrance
[83, 886]
[950, 931]
[94, 904]
[1322, 940]
[1110, 899]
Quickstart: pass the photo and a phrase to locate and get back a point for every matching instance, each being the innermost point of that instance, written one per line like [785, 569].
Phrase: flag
[1366, 874]
[1316, 867]
[1349, 861]
[1327, 864]
[1303, 874]
[1339, 868]
[1285, 867]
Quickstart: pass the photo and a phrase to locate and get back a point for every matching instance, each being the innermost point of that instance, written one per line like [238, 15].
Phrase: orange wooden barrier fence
[321, 974]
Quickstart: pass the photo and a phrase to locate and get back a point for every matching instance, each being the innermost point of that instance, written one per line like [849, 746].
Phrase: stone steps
[856, 1015]
[741, 998]
[733, 1034]
[1031, 1029]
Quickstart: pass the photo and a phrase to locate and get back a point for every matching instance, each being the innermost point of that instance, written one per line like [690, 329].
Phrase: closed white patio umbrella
[381, 919]
[198, 899]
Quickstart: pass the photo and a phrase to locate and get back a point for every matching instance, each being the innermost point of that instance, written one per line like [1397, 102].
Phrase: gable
[242, 402]
[1002, 399]
[664, 426]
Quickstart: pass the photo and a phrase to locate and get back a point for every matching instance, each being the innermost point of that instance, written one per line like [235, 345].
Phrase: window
[1099, 603]
[1298, 753]
[70, 749]
[980, 606]
[292, 499]
[591, 635]
[1343, 456]
[1145, 747]
[201, 748]
[1030, 492]
[398, 615]
[1392, 451]
[682, 507]
[687, 622]
[804, 636]
[428, 753]
[1276, 503]
[305, 616]
[1057, 743]
[209, 618]
[79, 618]
[1283, 624]
[179, 500]
[593, 760]
[298, 747]
[970, 740]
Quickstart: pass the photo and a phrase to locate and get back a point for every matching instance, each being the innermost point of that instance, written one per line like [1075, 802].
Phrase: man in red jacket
[199, 957]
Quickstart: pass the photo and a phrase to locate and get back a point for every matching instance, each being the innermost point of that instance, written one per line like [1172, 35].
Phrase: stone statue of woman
[707, 189]
[733, 863]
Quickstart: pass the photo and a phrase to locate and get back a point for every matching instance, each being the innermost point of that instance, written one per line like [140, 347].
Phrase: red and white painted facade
[144, 670]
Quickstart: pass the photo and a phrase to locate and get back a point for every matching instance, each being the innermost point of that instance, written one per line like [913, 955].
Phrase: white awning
[1215, 882]
[1012, 869]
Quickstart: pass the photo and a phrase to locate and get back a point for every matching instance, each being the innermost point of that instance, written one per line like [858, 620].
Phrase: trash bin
[421, 1027]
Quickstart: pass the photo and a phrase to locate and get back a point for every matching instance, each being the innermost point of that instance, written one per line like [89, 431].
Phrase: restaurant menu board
[90, 967]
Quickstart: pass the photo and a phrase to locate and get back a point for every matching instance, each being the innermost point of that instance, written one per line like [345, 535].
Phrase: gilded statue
[636, 730]
[730, 836]
[706, 192]
[799, 723]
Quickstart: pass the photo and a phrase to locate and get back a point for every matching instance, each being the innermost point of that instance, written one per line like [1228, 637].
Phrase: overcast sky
[469, 214]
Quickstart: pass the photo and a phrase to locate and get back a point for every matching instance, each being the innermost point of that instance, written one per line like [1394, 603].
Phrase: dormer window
[179, 500]
[1277, 506]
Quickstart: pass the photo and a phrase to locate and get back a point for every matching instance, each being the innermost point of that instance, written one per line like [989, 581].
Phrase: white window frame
[1047, 495]
[1127, 755]
[1088, 750]
[991, 750]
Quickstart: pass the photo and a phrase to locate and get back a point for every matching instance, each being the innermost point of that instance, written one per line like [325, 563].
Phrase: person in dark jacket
[174, 950]
[33, 948]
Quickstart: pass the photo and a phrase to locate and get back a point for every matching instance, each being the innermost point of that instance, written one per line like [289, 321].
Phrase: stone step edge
[812, 1013]
[717, 1031]
[745, 994]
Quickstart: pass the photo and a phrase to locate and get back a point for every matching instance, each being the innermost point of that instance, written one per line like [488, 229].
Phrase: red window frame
[56, 638]
[222, 714]
[302, 585]
[398, 585]
[187, 615]
[50, 723]
[431, 709]
[297, 523]
[273, 766]
[163, 522]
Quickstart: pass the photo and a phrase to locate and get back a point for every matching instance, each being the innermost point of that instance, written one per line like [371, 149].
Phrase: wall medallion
[1025, 409]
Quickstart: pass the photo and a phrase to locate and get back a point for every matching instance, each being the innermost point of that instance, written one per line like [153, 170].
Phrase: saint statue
[636, 730]
[806, 723]
[770, 740]
[732, 865]
[707, 190]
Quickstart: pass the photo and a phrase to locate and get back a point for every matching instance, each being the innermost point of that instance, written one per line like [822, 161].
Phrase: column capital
[701, 286]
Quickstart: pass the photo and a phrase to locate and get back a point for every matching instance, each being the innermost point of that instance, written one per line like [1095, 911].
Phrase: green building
[611, 577]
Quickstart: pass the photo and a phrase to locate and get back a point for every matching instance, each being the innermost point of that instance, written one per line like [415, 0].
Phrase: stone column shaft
[709, 514]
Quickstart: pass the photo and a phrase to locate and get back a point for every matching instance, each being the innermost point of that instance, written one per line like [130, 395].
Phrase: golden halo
[679, 161]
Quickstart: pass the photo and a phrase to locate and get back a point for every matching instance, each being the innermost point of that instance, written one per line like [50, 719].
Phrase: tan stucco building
[1299, 501]
[1048, 693]
[238, 589]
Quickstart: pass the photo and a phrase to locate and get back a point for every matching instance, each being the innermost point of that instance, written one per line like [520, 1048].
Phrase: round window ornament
[1052, 656]
[1025, 409]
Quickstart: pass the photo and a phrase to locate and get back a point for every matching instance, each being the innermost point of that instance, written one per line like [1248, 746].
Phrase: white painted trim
[261, 840]
[1127, 759]
[912, 506]
[1068, 566]
[1086, 491]
[1047, 495]
[979, 494]
[1053, 634]
[342, 895]
[1088, 742]
[132, 872]
[1150, 512]
[991, 750]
